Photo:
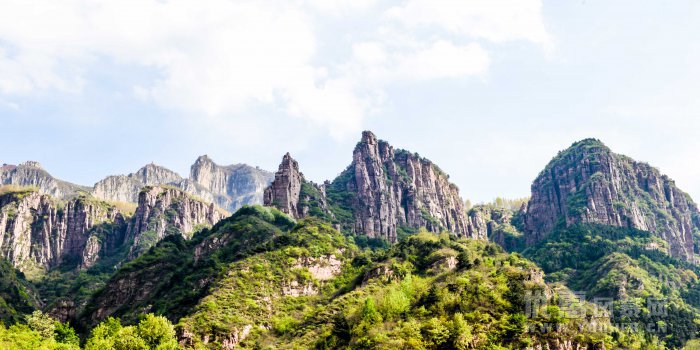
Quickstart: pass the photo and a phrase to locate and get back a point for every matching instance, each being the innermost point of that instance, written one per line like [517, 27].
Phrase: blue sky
[489, 90]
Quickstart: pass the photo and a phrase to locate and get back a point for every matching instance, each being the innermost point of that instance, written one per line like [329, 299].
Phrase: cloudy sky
[487, 89]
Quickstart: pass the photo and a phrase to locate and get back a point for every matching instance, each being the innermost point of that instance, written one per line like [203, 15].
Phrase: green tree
[41, 323]
[64, 333]
[156, 330]
[128, 339]
[435, 331]
[370, 313]
[152, 333]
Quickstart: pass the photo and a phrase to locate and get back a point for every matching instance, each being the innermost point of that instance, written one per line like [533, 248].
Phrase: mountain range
[229, 187]
[602, 255]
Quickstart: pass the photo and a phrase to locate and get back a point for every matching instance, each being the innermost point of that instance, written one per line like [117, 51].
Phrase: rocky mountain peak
[588, 183]
[229, 187]
[31, 164]
[368, 137]
[31, 173]
[285, 189]
[382, 192]
[202, 162]
[152, 174]
[396, 188]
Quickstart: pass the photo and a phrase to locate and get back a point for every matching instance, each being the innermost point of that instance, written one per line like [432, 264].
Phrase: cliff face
[119, 188]
[32, 174]
[498, 225]
[284, 191]
[163, 211]
[391, 188]
[588, 183]
[380, 192]
[38, 233]
[126, 188]
[231, 186]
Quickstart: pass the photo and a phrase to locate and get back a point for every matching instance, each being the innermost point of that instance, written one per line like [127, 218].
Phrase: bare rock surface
[588, 183]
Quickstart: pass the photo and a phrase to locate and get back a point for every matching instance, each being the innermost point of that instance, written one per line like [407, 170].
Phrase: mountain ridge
[588, 183]
[382, 192]
[228, 186]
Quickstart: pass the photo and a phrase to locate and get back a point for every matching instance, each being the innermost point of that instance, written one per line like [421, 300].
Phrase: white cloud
[369, 53]
[494, 20]
[340, 7]
[443, 59]
[217, 58]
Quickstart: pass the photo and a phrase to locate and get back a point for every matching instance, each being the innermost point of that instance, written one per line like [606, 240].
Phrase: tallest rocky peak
[368, 137]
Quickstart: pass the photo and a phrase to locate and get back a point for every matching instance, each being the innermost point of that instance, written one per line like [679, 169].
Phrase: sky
[489, 90]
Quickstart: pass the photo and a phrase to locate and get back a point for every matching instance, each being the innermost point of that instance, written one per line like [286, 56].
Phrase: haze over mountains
[229, 187]
[391, 230]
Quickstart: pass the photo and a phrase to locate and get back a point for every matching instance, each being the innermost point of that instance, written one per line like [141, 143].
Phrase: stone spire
[284, 191]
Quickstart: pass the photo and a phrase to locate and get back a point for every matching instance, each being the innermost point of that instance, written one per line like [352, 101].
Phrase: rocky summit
[285, 190]
[31, 173]
[588, 183]
[382, 192]
[229, 187]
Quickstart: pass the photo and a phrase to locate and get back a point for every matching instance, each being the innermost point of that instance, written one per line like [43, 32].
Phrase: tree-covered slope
[317, 290]
[17, 296]
[172, 276]
[629, 268]
[253, 281]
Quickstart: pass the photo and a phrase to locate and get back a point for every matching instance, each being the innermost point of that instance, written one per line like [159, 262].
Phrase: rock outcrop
[231, 186]
[382, 191]
[31, 174]
[498, 225]
[283, 193]
[389, 189]
[164, 210]
[588, 183]
[126, 188]
[39, 233]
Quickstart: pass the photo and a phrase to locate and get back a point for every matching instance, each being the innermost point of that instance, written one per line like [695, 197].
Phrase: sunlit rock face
[588, 183]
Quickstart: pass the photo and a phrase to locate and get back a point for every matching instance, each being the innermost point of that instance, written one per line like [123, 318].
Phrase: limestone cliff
[389, 189]
[381, 192]
[39, 233]
[499, 225]
[163, 211]
[231, 186]
[126, 188]
[32, 174]
[285, 190]
[588, 183]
